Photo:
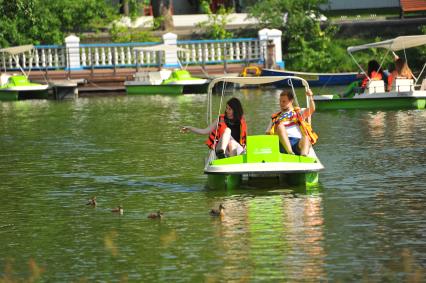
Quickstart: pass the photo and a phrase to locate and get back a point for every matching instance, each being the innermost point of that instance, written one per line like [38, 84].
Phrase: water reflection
[364, 222]
[397, 127]
[261, 237]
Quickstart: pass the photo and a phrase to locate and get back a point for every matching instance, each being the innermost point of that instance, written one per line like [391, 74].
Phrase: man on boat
[286, 124]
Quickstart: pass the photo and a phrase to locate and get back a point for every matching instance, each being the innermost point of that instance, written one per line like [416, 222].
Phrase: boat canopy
[255, 80]
[246, 81]
[18, 49]
[396, 44]
[160, 47]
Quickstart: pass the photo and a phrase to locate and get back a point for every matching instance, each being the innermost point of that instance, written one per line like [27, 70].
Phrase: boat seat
[4, 78]
[261, 147]
[155, 78]
[402, 85]
[375, 86]
[423, 86]
[141, 77]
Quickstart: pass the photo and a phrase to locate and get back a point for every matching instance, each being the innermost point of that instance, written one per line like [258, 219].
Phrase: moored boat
[18, 86]
[262, 158]
[405, 93]
[165, 81]
[314, 79]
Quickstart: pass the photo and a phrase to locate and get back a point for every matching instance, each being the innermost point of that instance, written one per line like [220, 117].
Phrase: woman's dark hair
[235, 104]
[373, 65]
[391, 67]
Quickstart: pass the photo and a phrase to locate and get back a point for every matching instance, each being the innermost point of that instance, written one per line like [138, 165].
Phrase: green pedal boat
[262, 158]
[165, 81]
[405, 93]
[16, 87]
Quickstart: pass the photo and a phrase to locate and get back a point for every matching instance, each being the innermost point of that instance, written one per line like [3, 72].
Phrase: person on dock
[228, 133]
[286, 125]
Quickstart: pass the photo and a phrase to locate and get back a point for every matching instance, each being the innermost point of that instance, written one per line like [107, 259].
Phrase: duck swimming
[118, 209]
[92, 201]
[156, 215]
[218, 212]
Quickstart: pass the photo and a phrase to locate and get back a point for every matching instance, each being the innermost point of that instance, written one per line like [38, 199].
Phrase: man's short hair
[288, 93]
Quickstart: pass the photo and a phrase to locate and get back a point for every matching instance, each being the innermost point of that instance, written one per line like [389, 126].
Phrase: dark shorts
[294, 146]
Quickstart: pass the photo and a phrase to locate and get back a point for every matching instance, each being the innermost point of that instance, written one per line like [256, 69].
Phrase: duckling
[156, 215]
[218, 212]
[92, 201]
[118, 209]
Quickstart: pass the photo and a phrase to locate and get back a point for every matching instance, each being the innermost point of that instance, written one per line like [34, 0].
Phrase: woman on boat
[374, 73]
[285, 124]
[228, 133]
[401, 70]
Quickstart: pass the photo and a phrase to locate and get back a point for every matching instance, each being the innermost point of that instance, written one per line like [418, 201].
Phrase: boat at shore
[165, 81]
[18, 86]
[262, 158]
[405, 93]
[314, 79]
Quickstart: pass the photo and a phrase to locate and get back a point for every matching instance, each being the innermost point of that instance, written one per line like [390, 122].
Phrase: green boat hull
[371, 103]
[18, 87]
[154, 89]
[234, 181]
[263, 161]
[9, 95]
[22, 95]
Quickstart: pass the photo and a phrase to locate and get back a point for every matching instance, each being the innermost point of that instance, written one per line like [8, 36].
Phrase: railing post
[275, 36]
[225, 55]
[263, 39]
[170, 57]
[72, 45]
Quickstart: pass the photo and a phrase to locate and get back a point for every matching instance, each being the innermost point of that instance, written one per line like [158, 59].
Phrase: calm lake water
[366, 221]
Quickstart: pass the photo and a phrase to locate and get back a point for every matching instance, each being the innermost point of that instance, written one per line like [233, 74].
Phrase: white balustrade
[37, 59]
[123, 55]
[43, 58]
[83, 57]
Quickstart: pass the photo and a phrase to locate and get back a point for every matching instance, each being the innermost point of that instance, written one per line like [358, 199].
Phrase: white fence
[74, 55]
[43, 57]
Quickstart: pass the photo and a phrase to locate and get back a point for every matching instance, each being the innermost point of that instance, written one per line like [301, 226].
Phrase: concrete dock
[111, 81]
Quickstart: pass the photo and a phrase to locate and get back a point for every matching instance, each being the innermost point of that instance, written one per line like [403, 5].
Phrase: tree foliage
[215, 27]
[49, 21]
[125, 34]
[306, 46]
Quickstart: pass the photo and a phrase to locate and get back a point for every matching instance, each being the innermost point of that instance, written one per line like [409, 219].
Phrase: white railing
[117, 55]
[74, 55]
[43, 57]
[220, 51]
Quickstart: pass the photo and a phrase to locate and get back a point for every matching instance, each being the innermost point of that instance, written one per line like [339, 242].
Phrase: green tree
[48, 21]
[215, 27]
[306, 46]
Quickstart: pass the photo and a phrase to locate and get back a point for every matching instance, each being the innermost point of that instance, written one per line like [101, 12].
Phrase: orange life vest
[217, 133]
[289, 118]
[292, 118]
[306, 128]
[375, 76]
